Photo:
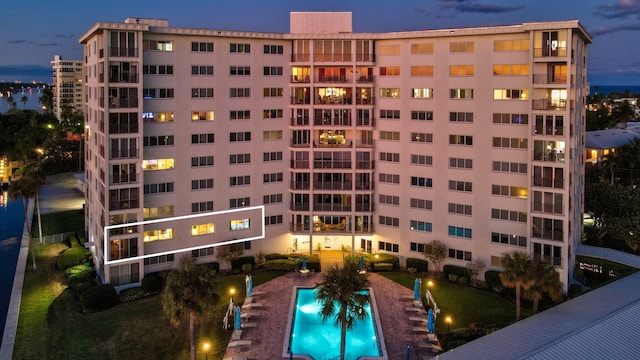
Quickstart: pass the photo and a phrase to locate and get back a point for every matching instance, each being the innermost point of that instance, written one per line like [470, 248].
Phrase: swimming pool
[318, 340]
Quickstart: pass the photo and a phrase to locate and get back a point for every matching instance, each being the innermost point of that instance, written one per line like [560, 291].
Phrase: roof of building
[601, 324]
[610, 138]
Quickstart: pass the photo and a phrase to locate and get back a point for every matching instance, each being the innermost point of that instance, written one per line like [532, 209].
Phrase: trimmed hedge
[492, 278]
[275, 257]
[72, 256]
[418, 264]
[383, 267]
[98, 298]
[80, 274]
[152, 283]
[237, 263]
[282, 264]
[453, 269]
[384, 258]
[131, 294]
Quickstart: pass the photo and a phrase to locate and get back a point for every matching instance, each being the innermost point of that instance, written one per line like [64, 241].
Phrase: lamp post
[429, 285]
[206, 347]
[232, 292]
[448, 321]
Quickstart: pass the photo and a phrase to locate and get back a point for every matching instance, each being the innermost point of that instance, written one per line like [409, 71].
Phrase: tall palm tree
[189, 291]
[27, 187]
[341, 297]
[544, 279]
[516, 274]
[24, 100]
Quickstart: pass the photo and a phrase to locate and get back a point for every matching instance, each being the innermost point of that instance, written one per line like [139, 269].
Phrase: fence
[55, 238]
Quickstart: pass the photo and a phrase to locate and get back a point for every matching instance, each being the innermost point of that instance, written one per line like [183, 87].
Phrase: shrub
[237, 263]
[152, 283]
[79, 274]
[418, 264]
[268, 257]
[492, 278]
[412, 270]
[72, 256]
[98, 298]
[313, 262]
[246, 268]
[83, 286]
[383, 267]
[385, 258]
[453, 269]
[453, 277]
[462, 280]
[131, 294]
[574, 290]
[281, 264]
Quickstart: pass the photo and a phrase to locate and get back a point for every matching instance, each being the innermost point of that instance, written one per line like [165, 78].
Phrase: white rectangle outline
[183, 217]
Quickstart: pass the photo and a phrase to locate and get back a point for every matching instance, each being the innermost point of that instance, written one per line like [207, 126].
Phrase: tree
[516, 274]
[229, 253]
[544, 279]
[341, 297]
[24, 99]
[46, 99]
[27, 187]
[623, 112]
[435, 252]
[474, 268]
[189, 291]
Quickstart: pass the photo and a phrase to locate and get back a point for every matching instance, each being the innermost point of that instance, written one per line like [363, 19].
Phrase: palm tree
[516, 274]
[46, 99]
[544, 279]
[27, 187]
[341, 296]
[189, 290]
[24, 100]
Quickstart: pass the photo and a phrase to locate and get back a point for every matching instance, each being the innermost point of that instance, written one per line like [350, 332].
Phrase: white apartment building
[67, 84]
[380, 142]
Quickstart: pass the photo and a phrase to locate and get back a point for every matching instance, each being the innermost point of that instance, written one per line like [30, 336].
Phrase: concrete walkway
[609, 254]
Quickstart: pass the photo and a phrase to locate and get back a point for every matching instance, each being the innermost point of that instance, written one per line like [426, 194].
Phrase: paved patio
[267, 338]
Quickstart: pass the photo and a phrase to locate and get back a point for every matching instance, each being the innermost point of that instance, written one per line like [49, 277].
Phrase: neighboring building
[67, 84]
[600, 143]
[380, 142]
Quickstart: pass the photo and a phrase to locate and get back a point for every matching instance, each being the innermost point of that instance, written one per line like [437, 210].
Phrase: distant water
[11, 226]
[608, 89]
[33, 99]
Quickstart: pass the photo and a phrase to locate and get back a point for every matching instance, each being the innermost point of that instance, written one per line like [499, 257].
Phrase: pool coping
[378, 326]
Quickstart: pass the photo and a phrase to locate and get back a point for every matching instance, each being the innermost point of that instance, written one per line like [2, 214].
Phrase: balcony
[337, 185]
[365, 79]
[550, 156]
[123, 51]
[300, 144]
[545, 104]
[299, 206]
[366, 165]
[549, 79]
[299, 164]
[300, 100]
[300, 79]
[300, 121]
[550, 52]
[548, 182]
[331, 79]
[346, 144]
[364, 185]
[300, 185]
[328, 164]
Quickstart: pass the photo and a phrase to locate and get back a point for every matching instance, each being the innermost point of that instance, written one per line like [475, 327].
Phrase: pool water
[321, 340]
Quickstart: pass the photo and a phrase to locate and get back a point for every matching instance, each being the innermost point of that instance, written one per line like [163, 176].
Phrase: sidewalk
[60, 195]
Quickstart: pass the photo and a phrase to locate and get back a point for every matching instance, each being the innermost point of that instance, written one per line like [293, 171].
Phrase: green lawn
[59, 222]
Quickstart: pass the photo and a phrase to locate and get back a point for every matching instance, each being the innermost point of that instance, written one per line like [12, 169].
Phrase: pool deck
[267, 338]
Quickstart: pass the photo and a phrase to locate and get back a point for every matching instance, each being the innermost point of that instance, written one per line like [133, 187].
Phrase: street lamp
[429, 285]
[448, 321]
[232, 291]
[206, 347]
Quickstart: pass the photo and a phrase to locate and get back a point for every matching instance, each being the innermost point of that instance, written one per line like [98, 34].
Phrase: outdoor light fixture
[206, 347]
[448, 321]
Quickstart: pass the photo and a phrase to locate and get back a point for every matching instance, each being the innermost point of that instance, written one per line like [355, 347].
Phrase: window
[273, 92]
[240, 48]
[274, 114]
[421, 181]
[160, 188]
[387, 246]
[420, 226]
[201, 46]
[390, 135]
[273, 71]
[201, 93]
[202, 229]
[157, 69]
[389, 221]
[123, 173]
[512, 143]
[157, 212]
[239, 114]
[201, 184]
[460, 140]
[150, 141]
[549, 253]
[545, 228]
[460, 254]
[390, 71]
[160, 259]
[421, 115]
[509, 239]
[421, 204]
[240, 92]
[548, 202]
[157, 45]
[422, 137]
[240, 180]
[547, 176]
[153, 117]
[459, 232]
[157, 164]
[156, 235]
[203, 206]
[202, 70]
[389, 178]
[461, 209]
[510, 94]
[389, 93]
[418, 247]
[423, 48]
[511, 45]
[121, 199]
[389, 49]
[272, 178]
[239, 159]
[509, 215]
[149, 94]
[271, 135]
[202, 138]
[421, 160]
[240, 136]
[461, 117]
[512, 191]
[389, 114]
[461, 70]
[518, 119]
[273, 220]
[422, 70]
[460, 186]
[123, 123]
[209, 251]
[274, 49]
[200, 161]
[461, 93]
[239, 202]
[272, 156]
[510, 69]
[240, 70]
[272, 199]
[389, 199]
[202, 115]
[390, 157]
[239, 224]
[422, 93]
[510, 167]
[460, 163]
[461, 47]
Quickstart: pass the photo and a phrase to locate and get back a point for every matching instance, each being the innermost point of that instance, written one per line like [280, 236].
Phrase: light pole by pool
[206, 347]
[448, 320]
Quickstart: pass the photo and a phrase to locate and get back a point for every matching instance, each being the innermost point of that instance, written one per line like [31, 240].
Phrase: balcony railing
[300, 100]
[300, 79]
[300, 185]
[545, 104]
[550, 156]
[333, 185]
[123, 51]
[550, 52]
[299, 206]
[300, 121]
[332, 144]
[549, 79]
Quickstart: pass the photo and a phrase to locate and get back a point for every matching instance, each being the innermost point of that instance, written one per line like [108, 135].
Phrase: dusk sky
[33, 31]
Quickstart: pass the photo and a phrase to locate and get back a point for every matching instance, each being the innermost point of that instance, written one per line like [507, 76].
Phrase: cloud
[621, 9]
[16, 41]
[614, 29]
[473, 6]
[48, 44]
